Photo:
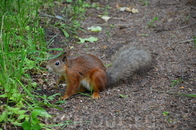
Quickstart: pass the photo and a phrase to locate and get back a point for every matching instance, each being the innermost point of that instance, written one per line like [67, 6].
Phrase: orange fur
[82, 73]
[87, 72]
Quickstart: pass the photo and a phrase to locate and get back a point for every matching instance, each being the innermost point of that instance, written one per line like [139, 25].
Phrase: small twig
[116, 25]
[192, 7]
[50, 16]
[185, 26]
[187, 41]
[121, 18]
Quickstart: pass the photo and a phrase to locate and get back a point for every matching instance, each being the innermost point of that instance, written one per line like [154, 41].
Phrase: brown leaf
[128, 9]
[104, 47]
[41, 81]
[117, 6]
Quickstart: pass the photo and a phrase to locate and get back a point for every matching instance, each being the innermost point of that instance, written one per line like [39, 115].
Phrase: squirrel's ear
[64, 56]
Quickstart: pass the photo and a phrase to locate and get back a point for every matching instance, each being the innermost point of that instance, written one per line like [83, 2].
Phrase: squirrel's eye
[56, 63]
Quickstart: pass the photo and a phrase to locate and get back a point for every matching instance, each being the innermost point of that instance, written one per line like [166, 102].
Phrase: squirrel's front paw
[95, 95]
[65, 97]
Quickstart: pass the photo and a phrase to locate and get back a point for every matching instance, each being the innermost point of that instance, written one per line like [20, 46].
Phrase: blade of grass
[27, 91]
[188, 95]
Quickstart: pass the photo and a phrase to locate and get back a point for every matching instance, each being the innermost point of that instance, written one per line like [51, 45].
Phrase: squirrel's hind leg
[99, 82]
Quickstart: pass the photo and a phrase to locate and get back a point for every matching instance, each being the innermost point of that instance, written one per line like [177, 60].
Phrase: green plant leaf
[4, 116]
[29, 64]
[4, 95]
[95, 28]
[53, 96]
[165, 113]
[175, 82]
[60, 102]
[36, 127]
[151, 23]
[69, 1]
[123, 96]
[109, 65]
[91, 39]
[29, 126]
[188, 95]
[23, 116]
[145, 34]
[26, 125]
[39, 111]
[65, 33]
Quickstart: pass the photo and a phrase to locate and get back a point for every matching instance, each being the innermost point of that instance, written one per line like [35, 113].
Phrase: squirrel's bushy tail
[127, 61]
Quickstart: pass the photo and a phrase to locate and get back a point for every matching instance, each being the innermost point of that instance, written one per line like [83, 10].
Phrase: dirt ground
[143, 104]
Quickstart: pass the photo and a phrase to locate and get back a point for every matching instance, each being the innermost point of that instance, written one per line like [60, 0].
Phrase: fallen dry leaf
[117, 6]
[41, 81]
[129, 9]
[104, 47]
[71, 47]
[104, 17]
[182, 87]
[135, 11]
[122, 8]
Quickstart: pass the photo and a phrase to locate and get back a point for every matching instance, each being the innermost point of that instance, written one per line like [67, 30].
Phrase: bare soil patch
[174, 60]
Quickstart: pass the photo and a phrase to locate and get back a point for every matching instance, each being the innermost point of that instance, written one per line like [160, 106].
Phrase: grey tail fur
[128, 60]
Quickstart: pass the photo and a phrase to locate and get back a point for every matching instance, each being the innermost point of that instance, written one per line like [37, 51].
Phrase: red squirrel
[87, 72]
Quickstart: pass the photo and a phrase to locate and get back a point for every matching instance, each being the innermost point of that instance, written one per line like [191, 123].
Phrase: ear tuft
[64, 56]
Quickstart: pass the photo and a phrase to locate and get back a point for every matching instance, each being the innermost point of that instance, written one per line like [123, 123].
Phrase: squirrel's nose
[48, 68]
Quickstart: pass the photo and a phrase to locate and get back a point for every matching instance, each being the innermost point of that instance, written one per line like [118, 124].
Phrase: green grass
[144, 2]
[152, 22]
[194, 41]
[68, 19]
[21, 44]
[175, 82]
[22, 48]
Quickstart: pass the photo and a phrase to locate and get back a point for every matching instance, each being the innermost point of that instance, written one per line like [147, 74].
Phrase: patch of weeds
[46, 99]
[165, 113]
[168, 118]
[95, 5]
[33, 122]
[175, 82]
[187, 17]
[144, 2]
[152, 22]
[72, 13]
[106, 10]
[22, 46]
[107, 33]
[194, 41]
[145, 35]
